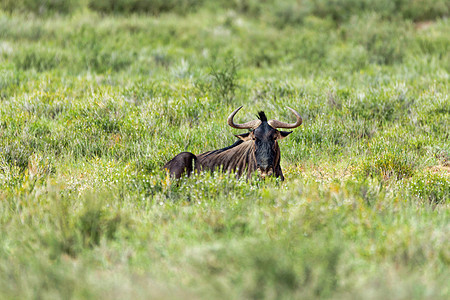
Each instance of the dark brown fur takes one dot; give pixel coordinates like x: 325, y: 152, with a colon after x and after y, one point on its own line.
x: 238, y: 158
x: 183, y: 163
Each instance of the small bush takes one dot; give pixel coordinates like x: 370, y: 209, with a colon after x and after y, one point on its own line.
x: 222, y: 81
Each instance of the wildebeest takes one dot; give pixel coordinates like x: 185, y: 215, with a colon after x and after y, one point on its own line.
x: 254, y: 150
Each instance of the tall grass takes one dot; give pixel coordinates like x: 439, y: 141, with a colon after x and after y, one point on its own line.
x: 95, y: 99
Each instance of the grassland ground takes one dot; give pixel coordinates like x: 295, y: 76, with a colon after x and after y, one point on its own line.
x: 94, y: 102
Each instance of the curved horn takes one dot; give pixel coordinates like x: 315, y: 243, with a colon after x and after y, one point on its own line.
x: 249, y: 125
x: 278, y: 124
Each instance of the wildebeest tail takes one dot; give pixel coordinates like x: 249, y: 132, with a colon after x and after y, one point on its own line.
x: 183, y: 163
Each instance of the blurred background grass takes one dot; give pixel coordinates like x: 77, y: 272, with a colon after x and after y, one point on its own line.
x: 286, y: 11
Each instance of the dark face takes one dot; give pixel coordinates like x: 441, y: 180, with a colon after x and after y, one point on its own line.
x: 265, y: 147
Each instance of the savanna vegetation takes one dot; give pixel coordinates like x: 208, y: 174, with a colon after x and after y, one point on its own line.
x: 95, y: 96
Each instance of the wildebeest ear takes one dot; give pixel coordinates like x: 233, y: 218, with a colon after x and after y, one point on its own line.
x: 244, y: 136
x: 283, y: 134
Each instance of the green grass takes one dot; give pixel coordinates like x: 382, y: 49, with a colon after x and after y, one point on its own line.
x: 92, y: 105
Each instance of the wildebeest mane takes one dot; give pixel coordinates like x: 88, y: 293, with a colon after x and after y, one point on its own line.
x: 235, y: 158
x: 262, y: 116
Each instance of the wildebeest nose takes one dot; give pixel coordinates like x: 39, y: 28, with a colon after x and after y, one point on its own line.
x: 265, y: 171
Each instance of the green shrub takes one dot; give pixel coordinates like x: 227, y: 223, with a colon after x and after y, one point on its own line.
x: 224, y: 80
